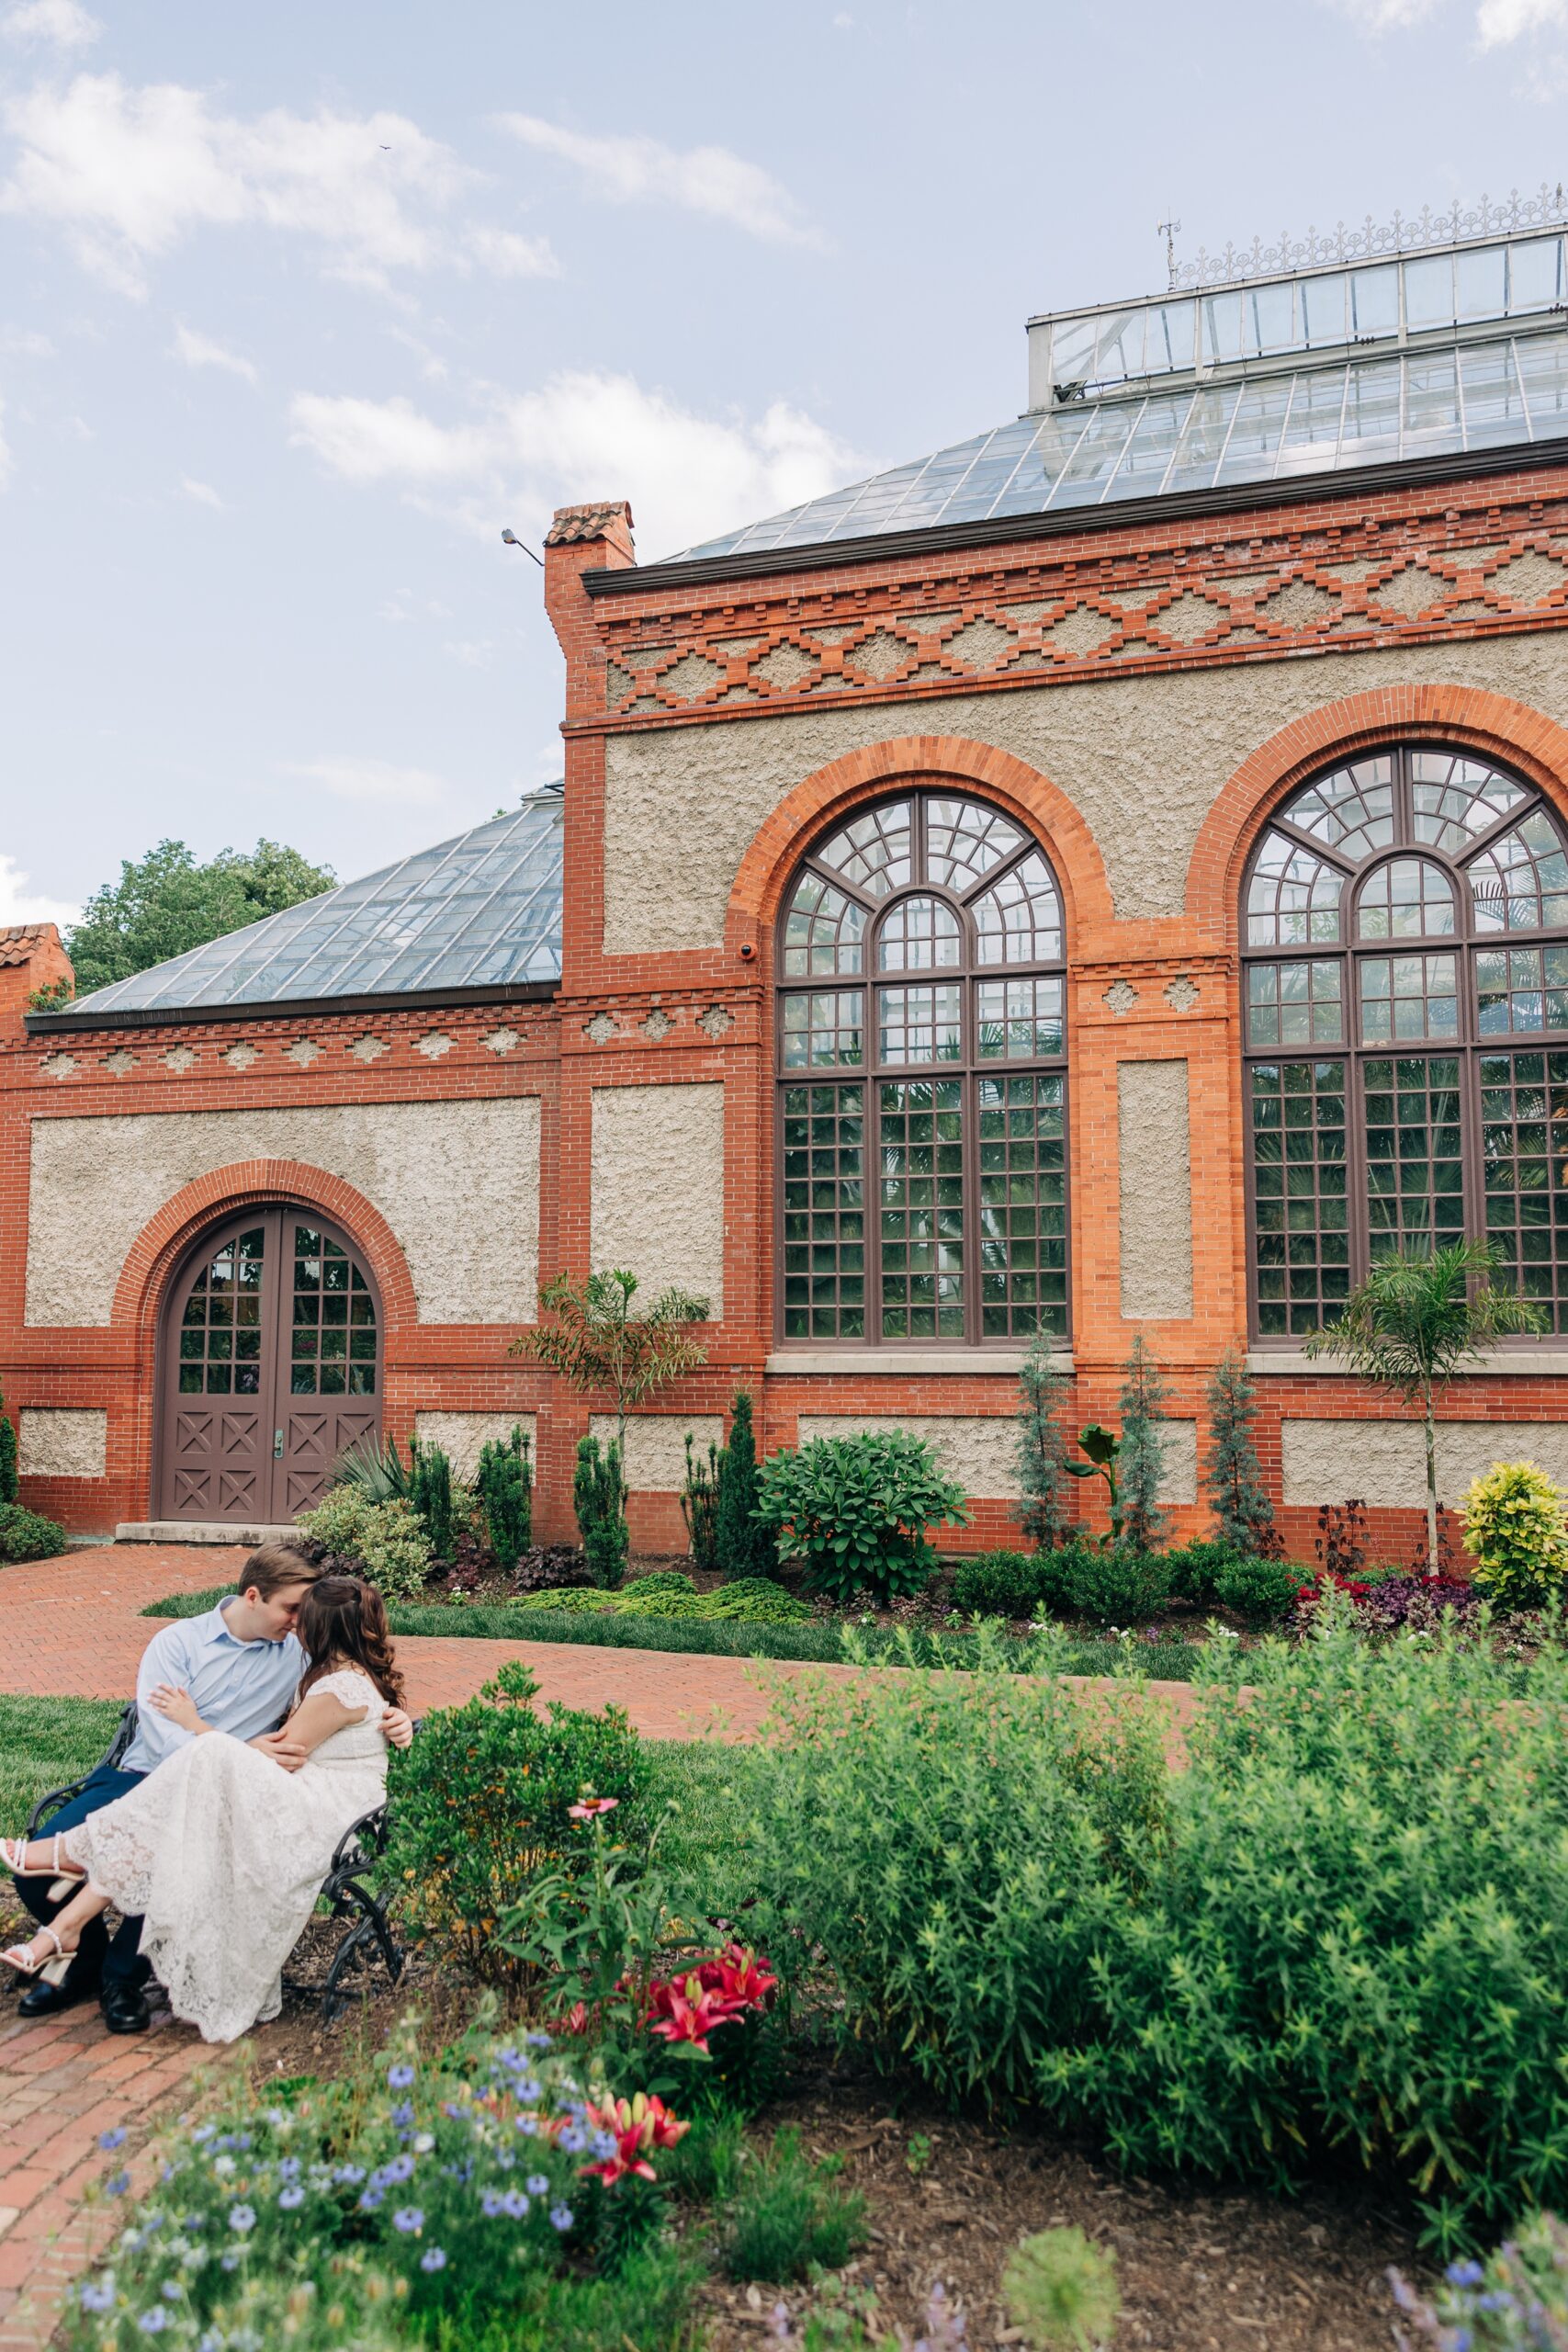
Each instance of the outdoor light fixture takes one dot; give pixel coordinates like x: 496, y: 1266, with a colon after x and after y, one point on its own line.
x: 510, y: 539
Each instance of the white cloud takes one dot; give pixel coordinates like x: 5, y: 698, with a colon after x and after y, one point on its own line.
x: 203, y: 493
x: 200, y: 351
x: 64, y: 24
x: 127, y: 173
x: 637, y: 170
x: 506, y: 254
x: 583, y: 436
x: 376, y: 782
x: 19, y: 904
x: 1498, y: 22
x: 25, y: 343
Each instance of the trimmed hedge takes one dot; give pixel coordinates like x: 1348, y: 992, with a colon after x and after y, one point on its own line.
x: 819, y: 1643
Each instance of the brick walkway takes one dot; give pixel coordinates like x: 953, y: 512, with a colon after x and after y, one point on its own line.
x: 72, y: 1628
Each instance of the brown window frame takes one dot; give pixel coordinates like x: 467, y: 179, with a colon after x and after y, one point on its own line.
x: 1468, y: 1048
x: 969, y: 1067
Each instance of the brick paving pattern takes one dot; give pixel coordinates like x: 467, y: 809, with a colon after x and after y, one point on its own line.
x: 74, y: 1629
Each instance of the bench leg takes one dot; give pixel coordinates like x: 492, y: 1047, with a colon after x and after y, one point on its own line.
x: 369, y: 1930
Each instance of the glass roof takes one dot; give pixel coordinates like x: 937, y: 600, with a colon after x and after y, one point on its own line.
x: 483, y: 910
x: 1268, y: 428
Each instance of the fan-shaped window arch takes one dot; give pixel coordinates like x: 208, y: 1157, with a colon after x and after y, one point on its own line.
x: 1405, y: 943
x: 922, y: 1081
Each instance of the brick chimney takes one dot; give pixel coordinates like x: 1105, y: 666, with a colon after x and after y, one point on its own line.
x: 31, y: 957
x: 596, y: 538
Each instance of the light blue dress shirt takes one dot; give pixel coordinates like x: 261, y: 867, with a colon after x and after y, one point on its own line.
x: 239, y: 1687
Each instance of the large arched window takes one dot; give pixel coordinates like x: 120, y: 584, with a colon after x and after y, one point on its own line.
x: 1405, y: 943
x: 923, y: 1080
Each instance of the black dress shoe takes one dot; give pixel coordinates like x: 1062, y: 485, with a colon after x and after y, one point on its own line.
x: 125, y: 2009
x: 45, y: 2000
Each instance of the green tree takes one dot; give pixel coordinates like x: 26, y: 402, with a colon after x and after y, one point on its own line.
x: 1140, y: 1458
x: 1233, y: 1475
x: 745, y: 1543
x: 167, y: 902
x: 1420, y: 1319
x: 1042, y: 1448
x: 7, y: 1458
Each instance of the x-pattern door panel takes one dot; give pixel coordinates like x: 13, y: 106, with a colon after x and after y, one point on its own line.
x: 272, y: 1366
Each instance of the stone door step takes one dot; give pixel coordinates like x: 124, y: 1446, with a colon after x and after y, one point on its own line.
x: 198, y: 1531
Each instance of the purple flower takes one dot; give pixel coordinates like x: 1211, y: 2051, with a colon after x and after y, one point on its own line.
x: 433, y: 2258
x: 114, y: 2139
x: 572, y: 2138
x: 409, y: 2218
x: 290, y: 2198
x: 401, y: 2169
x: 538, y: 2184
x: 169, y: 2291
x: 537, y: 2041
x: 117, y: 2183
x: 490, y: 2204
x: 402, y: 2114
x: 241, y: 2218
x: 399, y: 2077
x: 230, y: 2261
x: 98, y: 2295
x: 1464, y: 2274
x: 372, y: 2200
x: 514, y: 2205
x: 152, y: 2322
x: 289, y: 2168
x: 561, y: 2217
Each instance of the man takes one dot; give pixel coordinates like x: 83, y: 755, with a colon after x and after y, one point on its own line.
x: 241, y: 1663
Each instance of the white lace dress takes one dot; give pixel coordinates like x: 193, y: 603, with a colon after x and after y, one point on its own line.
x: 222, y: 1853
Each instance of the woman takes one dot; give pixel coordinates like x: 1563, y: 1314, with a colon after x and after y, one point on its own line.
x: 220, y: 1850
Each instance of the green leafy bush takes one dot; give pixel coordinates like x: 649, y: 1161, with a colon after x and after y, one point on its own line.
x: 1193, y: 1567
x: 699, y: 1503
x: 744, y: 1543
x: 997, y: 1584
x: 386, y: 1541
x: 379, y: 1471
x: 1060, y: 2292
x: 481, y: 1800
x: 1117, y: 1586
x: 1516, y: 1532
x: 8, y: 1479
x: 503, y: 1482
x: 1515, y: 2302
x: 598, y: 1498
x: 856, y: 1510
x: 27, y: 1535
x: 668, y: 1594
x: 755, y: 1600
x: 430, y: 1492
x: 789, y: 2216
x: 1261, y: 1591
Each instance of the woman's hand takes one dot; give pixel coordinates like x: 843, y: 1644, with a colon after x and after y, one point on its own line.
x: 176, y: 1703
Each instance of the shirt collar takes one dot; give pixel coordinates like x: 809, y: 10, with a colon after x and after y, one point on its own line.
x: 217, y: 1630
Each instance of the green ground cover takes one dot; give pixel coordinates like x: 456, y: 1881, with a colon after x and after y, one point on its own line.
x: 821, y: 1643
x: 43, y: 1744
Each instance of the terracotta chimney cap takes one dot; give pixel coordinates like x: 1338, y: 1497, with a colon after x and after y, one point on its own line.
x: 19, y: 941
x: 592, y: 522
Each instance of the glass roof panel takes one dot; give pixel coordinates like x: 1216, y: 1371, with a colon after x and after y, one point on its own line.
x: 483, y: 909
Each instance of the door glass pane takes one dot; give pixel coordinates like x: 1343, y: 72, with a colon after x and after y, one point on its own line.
x: 220, y: 1326
x: 921, y: 1191
x: 824, y: 1212
x: 1300, y: 1195
x: 1524, y: 1153
x: 328, y: 1291
x: 1415, y: 1173
x: 1022, y: 1204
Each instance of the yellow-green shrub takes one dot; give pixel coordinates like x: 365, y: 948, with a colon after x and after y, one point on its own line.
x: 1516, y: 1531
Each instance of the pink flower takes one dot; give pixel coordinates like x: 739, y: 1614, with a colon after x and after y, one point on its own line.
x: 636, y: 2125
x: 591, y: 1806
x: 685, y: 2009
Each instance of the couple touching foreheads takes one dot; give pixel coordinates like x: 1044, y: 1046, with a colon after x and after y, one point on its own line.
x: 261, y: 1736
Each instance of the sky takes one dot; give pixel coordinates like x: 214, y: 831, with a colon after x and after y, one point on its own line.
x: 300, y: 306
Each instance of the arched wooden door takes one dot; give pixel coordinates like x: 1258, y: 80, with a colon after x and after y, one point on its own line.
x: 271, y: 1365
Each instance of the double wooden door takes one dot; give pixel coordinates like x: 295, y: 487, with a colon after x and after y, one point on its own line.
x: 271, y: 1365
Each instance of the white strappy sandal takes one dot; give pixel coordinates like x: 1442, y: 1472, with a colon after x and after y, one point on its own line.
x: 62, y: 1870
x: 21, y: 1957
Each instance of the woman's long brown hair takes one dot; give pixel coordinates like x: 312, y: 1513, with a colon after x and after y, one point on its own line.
x: 343, y: 1621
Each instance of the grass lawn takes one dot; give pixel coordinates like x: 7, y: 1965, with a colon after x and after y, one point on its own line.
x: 820, y: 1644
x: 44, y: 1742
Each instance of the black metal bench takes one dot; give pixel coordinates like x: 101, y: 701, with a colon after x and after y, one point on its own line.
x: 348, y: 1887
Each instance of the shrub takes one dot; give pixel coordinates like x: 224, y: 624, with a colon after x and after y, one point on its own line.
x: 755, y: 1600
x: 9, y: 1481
x: 430, y: 1492
x: 1233, y: 1475
x: 1516, y: 2302
x: 505, y: 1484
x: 945, y: 1841
x: 1116, y: 1586
x: 1060, y: 2290
x: 25, y: 1535
x: 379, y: 1471
x: 481, y: 1800
x: 789, y: 2216
x: 745, y: 1545
x: 598, y: 1498
x: 668, y: 1594
x: 1413, y: 1604
x: 1515, y: 1532
x: 996, y: 1584
x: 856, y: 1510
x: 1260, y: 1590
x: 1194, y: 1566
x: 1141, y: 1457
x: 1041, y: 1446
x: 699, y: 1504
x: 385, y: 1542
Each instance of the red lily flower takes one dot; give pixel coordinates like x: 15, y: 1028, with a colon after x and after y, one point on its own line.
x: 636, y: 2126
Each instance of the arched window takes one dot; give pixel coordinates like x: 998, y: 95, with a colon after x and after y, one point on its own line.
x: 1405, y: 946
x: 922, y: 1082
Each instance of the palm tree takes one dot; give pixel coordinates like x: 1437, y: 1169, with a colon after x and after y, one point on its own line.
x: 1416, y: 1322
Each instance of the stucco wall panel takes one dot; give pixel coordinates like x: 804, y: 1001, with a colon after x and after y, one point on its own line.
x: 1143, y: 759
x: 1384, y: 1464
x: 56, y: 1441
x: 458, y: 1182
x: 461, y: 1435
x: 657, y: 1178
x: 656, y: 1447
x: 1155, y: 1162
x: 980, y: 1450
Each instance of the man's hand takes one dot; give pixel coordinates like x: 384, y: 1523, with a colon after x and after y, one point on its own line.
x: 398, y: 1727
x: 173, y: 1703
x: 281, y: 1749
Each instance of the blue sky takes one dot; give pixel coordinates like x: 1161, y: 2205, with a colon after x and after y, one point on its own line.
x: 299, y: 305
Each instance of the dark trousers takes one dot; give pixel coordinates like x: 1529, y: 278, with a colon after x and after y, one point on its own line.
x: 101, y: 1960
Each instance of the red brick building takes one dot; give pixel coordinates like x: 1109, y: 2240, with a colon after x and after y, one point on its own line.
x: 1108, y: 877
